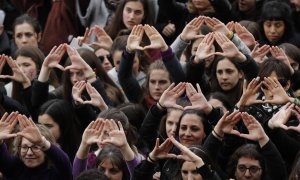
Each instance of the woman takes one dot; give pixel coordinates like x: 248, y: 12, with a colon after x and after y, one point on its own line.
x: 276, y: 24
x: 37, y: 155
x: 128, y: 14
x: 59, y: 117
x: 110, y: 130
x: 26, y: 31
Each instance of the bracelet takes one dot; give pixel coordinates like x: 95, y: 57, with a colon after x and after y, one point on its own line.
x: 93, y: 75
x: 296, y: 101
x: 218, y: 136
x: 163, y: 107
x: 230, y: 35
x: 151, y: 160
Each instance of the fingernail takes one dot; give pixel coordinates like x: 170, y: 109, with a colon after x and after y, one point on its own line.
x: 257, y: 78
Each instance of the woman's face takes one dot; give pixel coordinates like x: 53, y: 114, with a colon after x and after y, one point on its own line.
x: 227, y: 74
x: 28, y: 66
x: 189, y: 171
x: 53, y: 127
x: 30, y: 154
x: 133, y: 14
x: 76, y: 75
x: 201, y: 5
x: 294, y: 64
x: 172, y: 122
x: 243, y: 174
x: 274, y: 30
x: 191, y: 130
x: 159, y: 81
x: 24, y: 34
x: 296, y: 4
x: 246, y: 5
x: 104, y: 56
x: 110, y: 170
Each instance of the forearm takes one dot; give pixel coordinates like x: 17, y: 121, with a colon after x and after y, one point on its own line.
x: 127, y: 152
x: 83, y: 151
x: 44, y: 74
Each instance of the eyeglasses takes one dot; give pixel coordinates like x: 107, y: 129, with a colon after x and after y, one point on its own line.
x: 35, y: 149
x: 109, y: 57
x: 252, y: 169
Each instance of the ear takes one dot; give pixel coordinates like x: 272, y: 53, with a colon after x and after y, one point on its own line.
x: 288, y: 85
x: 39, y: 37
x: 241, y: 74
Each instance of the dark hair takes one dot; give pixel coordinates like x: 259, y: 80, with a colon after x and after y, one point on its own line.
x: 274, y: 65
x: 117, y: 115
x: 111, y: 89
x: 235, y: 93
x: 277, y: 11
x: 221, y: 97
x: 249, y: 151
x: 115, y: 156
x: 207, y: 127
x: 37, y: 56
x: 25, y: 18
x: 253, y: 28
x: 92, y: 174
x: 134, y: 112
x: 119, y: 44
x: 295, y: 172
x: 63, y: 114
x: 116, y: 24
x: 291, y: 51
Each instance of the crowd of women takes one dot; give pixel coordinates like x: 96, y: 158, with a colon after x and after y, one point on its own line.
x: 137, y: 89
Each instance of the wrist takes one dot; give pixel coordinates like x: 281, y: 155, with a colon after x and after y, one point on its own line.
x: 164, y: 48
x: 183, y: 38
x: 45, y: 144
x: 130, y: 51
x: 151, y: 159
x: 218, y: 134
x: 207, y: 109
x: 263, y: 140
x: 160, y: 106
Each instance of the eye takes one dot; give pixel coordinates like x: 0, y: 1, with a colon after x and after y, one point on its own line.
x: 114, y: 170
x: 183, y: 127
x: 195, y: 128
x: 184, y: 172
x: 138, y: 12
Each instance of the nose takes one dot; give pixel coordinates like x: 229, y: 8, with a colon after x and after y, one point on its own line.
x: 224, y: 76
x: 107, y: 174
x: 187, y: 132
x: 29, y: 151
x: 24, y: 39
x: 272, y: 29
x: 190, y: 176
x: 131, y: 15
x: 247, y: 173
x: 174, y: 129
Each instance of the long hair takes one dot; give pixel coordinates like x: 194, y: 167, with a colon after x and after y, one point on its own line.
x: 63, y: 114
x: 111, y: 89
x: 37, y: 56
x: 116, y: 24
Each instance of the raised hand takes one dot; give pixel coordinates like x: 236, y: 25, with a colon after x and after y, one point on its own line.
x: 18, y: 74
x: 204, y: 49
x: 2, y: 62
x: 244, y: 35
x: 229, y: 49
x: 171, y: 94
x: 77, y: 90
x: 135, y: 38
x: 85, y: 38
x: 169, y: 29
x: 256, y: 132
x: 279, y: 54
x: 156, y: 40
x: 259, y: 53
x: 197, y: 99
x: 116, y: 133
x: 249, y: 95
x: 96, y: 98
x: 54, y: 57
x: 276, y: 91
x: 281, y: 117
x: 227, y: 124
x: 192, y: 29
x: 217, y: 26
x: 296, y: 113
x: 162, y: 151
x: 78, y: 63
x: 30, y: 131
x: 7, y: 125
x: 187, y: 154
x: 92, y: 133
x: 103, y: 40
